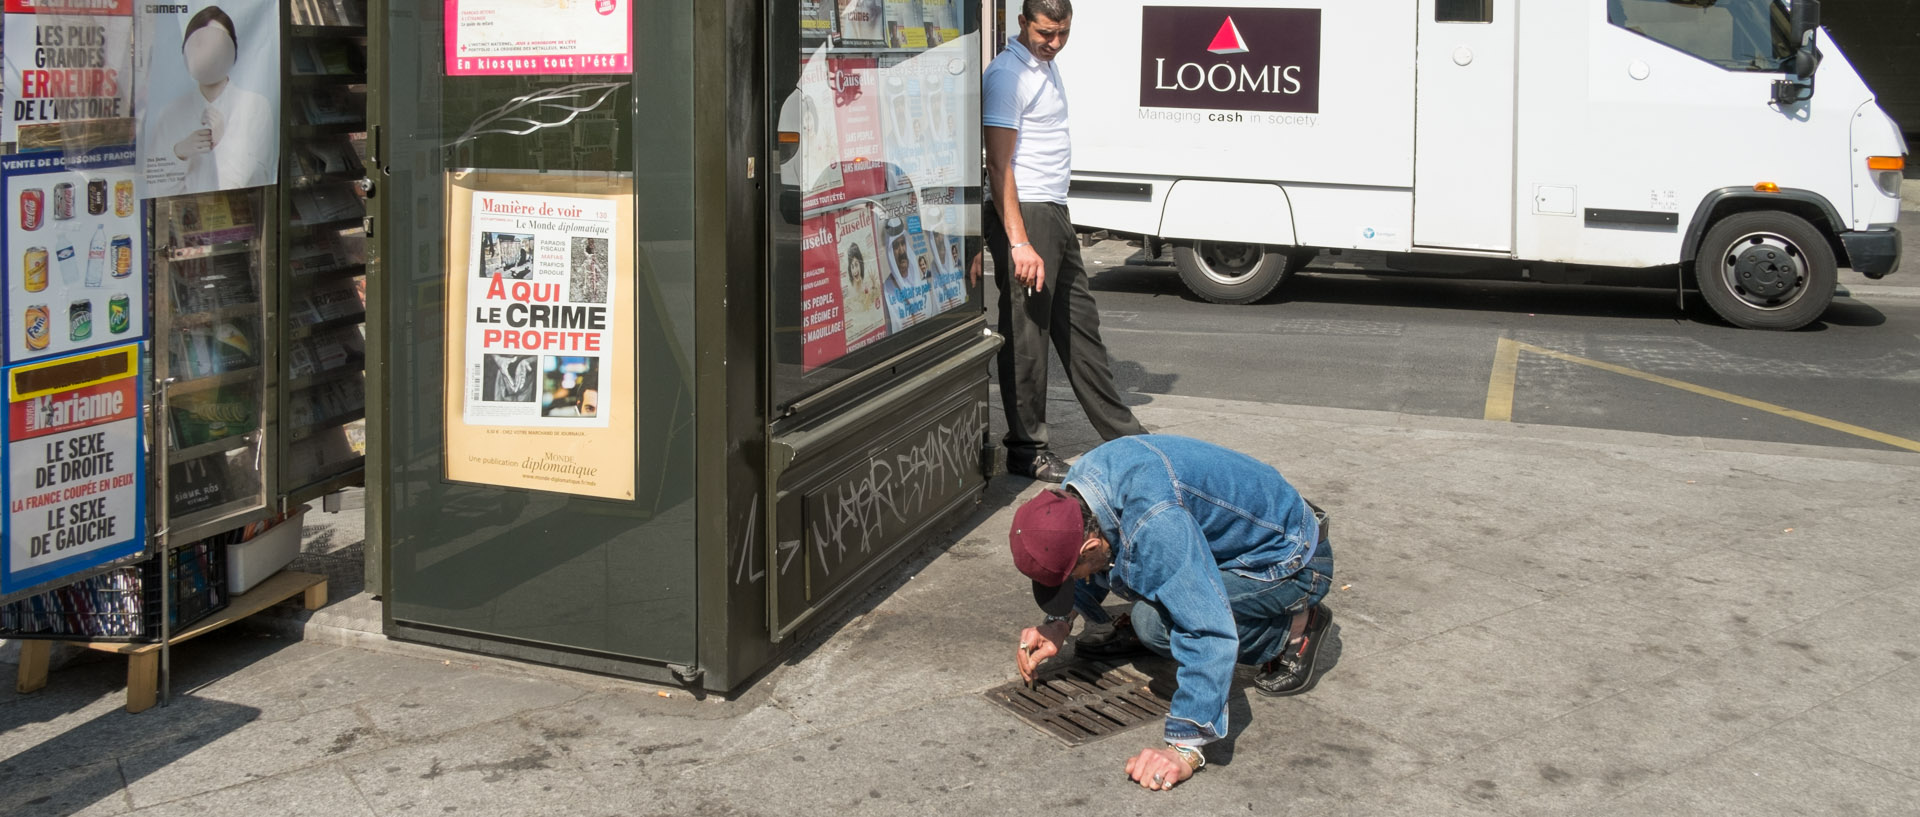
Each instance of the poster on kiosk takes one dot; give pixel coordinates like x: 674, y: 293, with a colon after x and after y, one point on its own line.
x: 75, y: 479
x: 75, y: 304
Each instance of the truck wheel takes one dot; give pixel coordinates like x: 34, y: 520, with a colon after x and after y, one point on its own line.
x: 1766, y: 270
x: 1228, y: 273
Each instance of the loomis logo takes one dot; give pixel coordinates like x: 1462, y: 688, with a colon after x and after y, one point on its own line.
x: 1250, y: 59
x: 1228, y: 41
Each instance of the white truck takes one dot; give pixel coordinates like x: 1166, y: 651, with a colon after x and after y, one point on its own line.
x: 1566, y: 141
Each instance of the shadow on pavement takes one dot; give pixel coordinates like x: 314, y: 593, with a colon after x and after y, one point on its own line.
x: 74, y: 746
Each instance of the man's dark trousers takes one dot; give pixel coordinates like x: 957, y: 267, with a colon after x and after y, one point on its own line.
x: 1062, y: 311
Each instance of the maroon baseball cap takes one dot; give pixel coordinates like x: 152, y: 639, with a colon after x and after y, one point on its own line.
x: 1046, y: 537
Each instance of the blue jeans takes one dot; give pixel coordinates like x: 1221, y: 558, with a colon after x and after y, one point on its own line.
x: 1263, y: 611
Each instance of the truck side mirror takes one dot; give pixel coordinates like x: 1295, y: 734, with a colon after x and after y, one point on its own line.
x: 1803, y: 22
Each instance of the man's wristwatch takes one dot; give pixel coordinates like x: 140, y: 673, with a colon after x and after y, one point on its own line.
x: 1050, y: 619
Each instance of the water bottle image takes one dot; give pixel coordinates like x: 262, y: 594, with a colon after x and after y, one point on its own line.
x: 97, y: 256
x: 65, y: 258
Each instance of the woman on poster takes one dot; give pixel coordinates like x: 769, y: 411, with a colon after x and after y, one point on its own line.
x: 216, y: 136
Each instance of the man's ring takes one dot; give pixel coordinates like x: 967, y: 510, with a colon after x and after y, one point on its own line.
x: 1159, y: 780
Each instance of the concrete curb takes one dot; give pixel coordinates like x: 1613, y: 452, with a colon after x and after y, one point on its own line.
x: 1871, y: 291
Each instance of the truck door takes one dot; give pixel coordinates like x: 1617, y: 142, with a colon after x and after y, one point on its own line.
x: 1463, y: 125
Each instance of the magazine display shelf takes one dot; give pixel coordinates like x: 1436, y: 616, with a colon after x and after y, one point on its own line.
x: 143, y: 660
x: 213, y: 356
x: 322, y: 332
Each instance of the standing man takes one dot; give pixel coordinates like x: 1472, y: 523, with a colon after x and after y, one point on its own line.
x: 1036, y: 255
x: 1224, y: 561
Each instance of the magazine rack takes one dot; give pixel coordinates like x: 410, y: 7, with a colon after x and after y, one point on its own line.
x: 212, y: 355
x: 322, y: 399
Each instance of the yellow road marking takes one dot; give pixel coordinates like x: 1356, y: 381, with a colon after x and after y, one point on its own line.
x: 1506, y: 365
x: 1506, y: 358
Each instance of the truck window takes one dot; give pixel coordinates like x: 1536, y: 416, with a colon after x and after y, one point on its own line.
x: 1738, y: 35
x: 1463, y: 11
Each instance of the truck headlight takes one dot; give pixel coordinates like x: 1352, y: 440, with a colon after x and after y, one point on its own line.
x: 1887, y: 171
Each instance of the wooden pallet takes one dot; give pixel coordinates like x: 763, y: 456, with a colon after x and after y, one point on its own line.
x: 143, y: 660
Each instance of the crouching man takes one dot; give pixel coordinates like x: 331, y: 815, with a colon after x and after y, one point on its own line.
x: 1223, y: 560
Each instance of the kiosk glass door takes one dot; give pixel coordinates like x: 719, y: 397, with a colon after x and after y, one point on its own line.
x: 535, y: 313
x: 876, y: 118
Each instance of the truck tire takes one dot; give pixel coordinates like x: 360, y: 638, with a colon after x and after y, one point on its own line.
x: 1230, y: 273
x: 1766, y: 270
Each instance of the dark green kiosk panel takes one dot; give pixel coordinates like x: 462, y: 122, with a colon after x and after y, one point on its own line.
x: 672, y: 348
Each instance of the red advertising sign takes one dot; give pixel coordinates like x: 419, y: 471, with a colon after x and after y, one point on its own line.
x: 822, y: 318
x: 555, y: 37
x: 77, y: 409
x: 114, y: 8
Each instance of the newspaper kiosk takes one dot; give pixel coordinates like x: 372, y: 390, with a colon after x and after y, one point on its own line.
x: 673, y: 335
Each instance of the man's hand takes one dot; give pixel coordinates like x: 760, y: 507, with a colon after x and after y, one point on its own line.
x: 1037, y: 644
x: 216, y: 123
x: 973, y: 270
x: 1029, y: 269
x: 1159, y: 768
x: 196, y: 143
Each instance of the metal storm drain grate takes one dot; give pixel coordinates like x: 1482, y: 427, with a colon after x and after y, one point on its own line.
x: 1082, y: 704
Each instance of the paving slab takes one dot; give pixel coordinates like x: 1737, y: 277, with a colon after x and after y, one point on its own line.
x: 1528, y: 621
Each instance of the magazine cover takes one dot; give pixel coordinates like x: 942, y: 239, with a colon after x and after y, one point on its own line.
x: 857, y: 117
x: 823, y: 329
x: 942, y: 19
x: 817, y: 19
x: 942, y: 97
x: 860, y: 272
x: 906, y: 129
x: 905, y: 28
x: 539, y: 345
x: 909, y: 287
x: 210, y: 119
x: 862, y: 21
x: 817, y: 165
x: 943, y: 225
x: 66, y: 63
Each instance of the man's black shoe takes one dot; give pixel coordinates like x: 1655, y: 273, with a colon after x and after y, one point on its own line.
x: 1119, y: 642
x: 1045, y: 468
x: 1289, y: 673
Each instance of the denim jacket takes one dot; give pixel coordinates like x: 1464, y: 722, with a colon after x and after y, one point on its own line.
x: 1178, y: 511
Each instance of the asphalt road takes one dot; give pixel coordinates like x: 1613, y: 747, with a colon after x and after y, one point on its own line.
x: 1600, y: 357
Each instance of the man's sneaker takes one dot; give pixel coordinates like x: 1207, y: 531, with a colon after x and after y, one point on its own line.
x: 1118, y: 642
x: 1289, y: 673
x: 1046, y: 467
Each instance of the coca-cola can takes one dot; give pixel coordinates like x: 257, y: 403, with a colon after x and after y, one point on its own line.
x: 63, y: 201
x: 96, y: 197
x: 33, y: 208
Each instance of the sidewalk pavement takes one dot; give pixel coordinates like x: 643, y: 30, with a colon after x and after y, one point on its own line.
x: 1528, y: 621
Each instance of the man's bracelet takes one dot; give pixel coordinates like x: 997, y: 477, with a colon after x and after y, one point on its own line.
x: 1019, y: 245
x: 1195, y: 760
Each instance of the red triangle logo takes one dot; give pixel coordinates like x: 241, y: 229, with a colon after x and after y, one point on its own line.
x: 1228, y: 40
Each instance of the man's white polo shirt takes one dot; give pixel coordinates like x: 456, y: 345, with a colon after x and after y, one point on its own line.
x: 1022, y: 92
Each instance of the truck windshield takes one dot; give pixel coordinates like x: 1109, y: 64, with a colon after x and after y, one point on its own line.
x: 1738, y: 35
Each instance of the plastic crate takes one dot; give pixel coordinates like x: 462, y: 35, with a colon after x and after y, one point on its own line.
x: 252, y: 561
x: 123, y: 605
